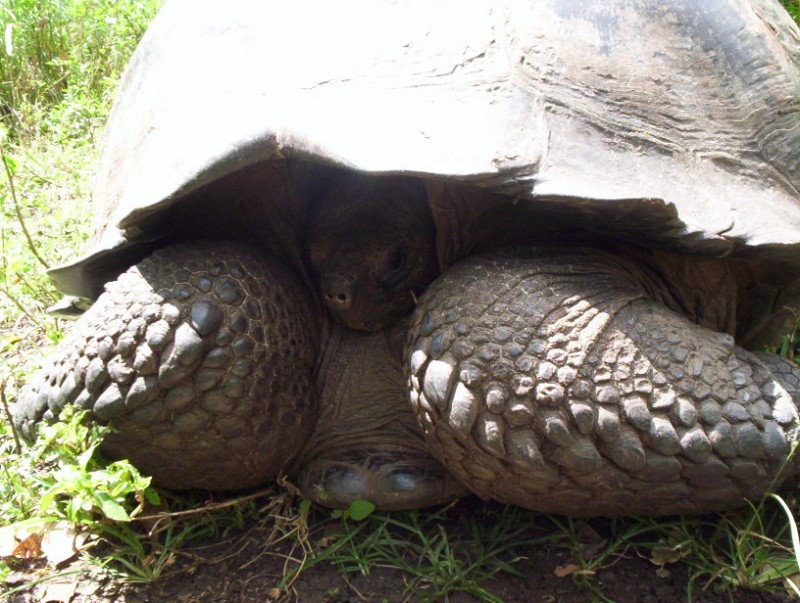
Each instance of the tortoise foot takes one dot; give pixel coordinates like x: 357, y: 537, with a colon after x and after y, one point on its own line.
x: 200, y: 358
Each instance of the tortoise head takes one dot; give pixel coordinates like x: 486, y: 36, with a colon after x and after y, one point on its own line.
x: 372, y: 248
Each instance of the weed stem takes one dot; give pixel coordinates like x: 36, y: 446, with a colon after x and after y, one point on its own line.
x: 8, y: 414
x: 10, y: 178
x: 22, y: 308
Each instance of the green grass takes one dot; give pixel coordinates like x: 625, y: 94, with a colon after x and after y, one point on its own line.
x: 437, y: 561
x: 751, y: 548
x: 441, y: 555
x: 793, y: 8
x: 60, y: 61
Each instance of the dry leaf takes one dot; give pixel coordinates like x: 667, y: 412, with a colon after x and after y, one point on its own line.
x: 588, y: 534
x: 29, y: 548
x: 664, y: 554
x: 59, y: 592
x: 55, y: 540
x: 566, y: 570
x: 61, y: 541
x: 590, y: 549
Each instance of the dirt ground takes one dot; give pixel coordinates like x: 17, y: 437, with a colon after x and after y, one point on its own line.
x: 243, y: 568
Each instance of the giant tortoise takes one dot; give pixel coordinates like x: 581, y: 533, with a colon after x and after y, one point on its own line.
x: 591, y: 211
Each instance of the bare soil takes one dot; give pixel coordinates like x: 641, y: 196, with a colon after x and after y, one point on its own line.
x: 244, y: 567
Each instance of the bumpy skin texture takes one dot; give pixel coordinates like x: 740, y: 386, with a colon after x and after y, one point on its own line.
x: 556, y: 379
x: 366, y: 444
x: 201, y: 358
x: 549, y: 379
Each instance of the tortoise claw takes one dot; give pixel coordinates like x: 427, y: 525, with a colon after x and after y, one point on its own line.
x: 392, y: 479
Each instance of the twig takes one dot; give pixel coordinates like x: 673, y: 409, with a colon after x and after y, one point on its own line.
x: 39, y: 292
x: 22, y: 308
x: 208, y: 507
x: 13, y: 190
x: 8, y: 414
x: 36, y: 175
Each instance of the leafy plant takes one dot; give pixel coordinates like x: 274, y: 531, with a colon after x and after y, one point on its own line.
x: 793, y: 8
x: 61, y: 59
x: 62, y: 477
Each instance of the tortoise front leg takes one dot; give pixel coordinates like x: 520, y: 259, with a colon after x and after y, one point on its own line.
x: 201, y: 359
x: 550, y: 379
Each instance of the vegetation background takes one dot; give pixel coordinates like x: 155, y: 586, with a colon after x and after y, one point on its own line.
x: 60, y: 63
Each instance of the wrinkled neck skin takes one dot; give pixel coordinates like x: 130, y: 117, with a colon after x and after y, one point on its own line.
x: 705, y: 290
x: 360, y: 385
x: 735, y: 297
x: 751, y: 299
x: 372, y: 249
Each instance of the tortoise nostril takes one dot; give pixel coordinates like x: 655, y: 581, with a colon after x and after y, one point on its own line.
x: 338, y: 298
x: 338, y: 294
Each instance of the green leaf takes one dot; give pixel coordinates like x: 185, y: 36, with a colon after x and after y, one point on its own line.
x: 11, y: 164
x: 111, y: 508
x: 360, y: 509
x: 7, y: 343
x: 86, y: 456
x: 305, y: 505
x: 46, y: 500
x: 152, y: 496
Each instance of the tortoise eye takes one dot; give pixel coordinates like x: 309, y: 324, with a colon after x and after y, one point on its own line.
x: 395, y: 267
